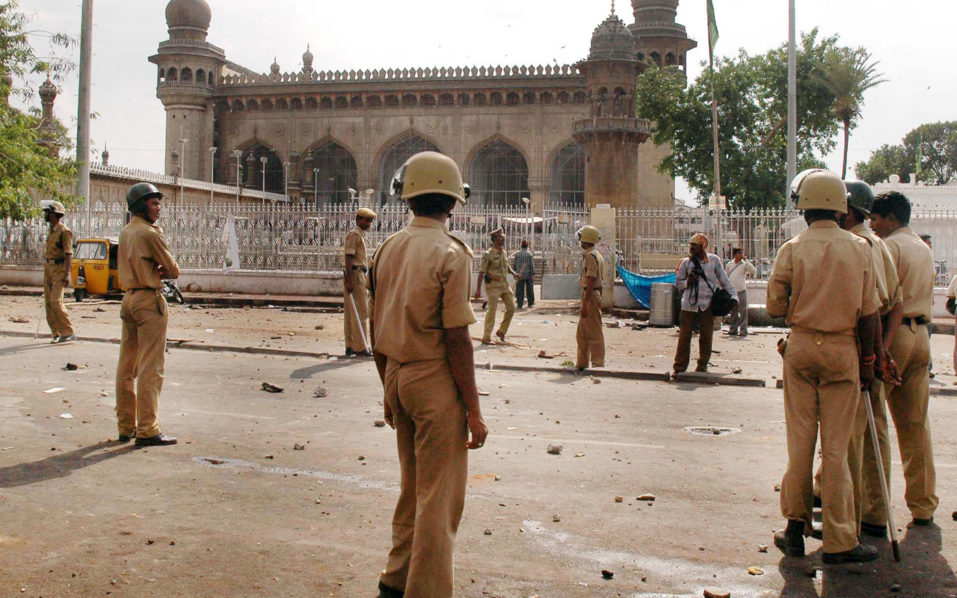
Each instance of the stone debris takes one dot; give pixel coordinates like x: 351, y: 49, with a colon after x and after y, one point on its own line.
x: 271, y: 387
x: 320, y: 327
x: 320, y: 392
x: 615, y: 324
x: 556, y: 518
x: 498, y: 478
x: 606, y: 574
x: 66, y: 416
x: 71, y: 367
x: 53, y: 390
x: 716, y: 593
x: 736, y: 371
x: 488, y: 532
x: 483, y: 393
x: 379, y: 423
x: 619, y: 499
x: 554, y: 448
x: 896, y: 588
x: 648, y: 497
x: 763, y: 548
x: 596, y: 381
x: 298, y: 447
x: 18, y: 320
x: 954, y: 515
x: 755, y: 571
x: 777, y: 487
x: 577, y: 455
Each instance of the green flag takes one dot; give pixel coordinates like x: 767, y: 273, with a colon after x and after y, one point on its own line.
x: 712, y: 29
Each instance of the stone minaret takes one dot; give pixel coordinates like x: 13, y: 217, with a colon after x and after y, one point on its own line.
x: 48, y: 93
x: 658, y: 38
x: 612, y: 134
x: 188, y: 72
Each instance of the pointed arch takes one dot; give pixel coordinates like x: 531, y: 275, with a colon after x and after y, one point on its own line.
x: 394, y: 153
x: 497, y: 172
x: 254, y: 171
x: 329, y: 169
x: 566, y: 181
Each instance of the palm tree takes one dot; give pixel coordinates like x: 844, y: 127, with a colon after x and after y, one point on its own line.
x: 847, y: 74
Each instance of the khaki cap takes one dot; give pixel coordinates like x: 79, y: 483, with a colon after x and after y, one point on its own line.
x: 365, y: 213
x: 497, y: 231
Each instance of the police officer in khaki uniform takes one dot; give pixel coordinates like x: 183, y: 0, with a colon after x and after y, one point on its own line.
x: 143, y: 260
x: 420, y: 318
x: 591, y: 339
x: 823, y: 281
x: 56, y: 272
x: 910, y: 347
x: 355, y: 281
x: 494, y: 272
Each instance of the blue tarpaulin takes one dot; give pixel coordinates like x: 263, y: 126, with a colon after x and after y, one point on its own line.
x: 640, y: 286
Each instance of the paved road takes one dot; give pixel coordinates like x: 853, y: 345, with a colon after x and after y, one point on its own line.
x: 235, y: 510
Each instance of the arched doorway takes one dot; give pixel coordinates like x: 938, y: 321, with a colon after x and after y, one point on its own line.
x: 330, y: 170
x: 567, y: 180
x: 395, y: 156
x: 498, y: 175
x: 254, y: 170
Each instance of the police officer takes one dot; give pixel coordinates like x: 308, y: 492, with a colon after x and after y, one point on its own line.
x: 591, y: 339
x: 494, y: 272
x: 143, y: 260
x: 56, y: 272
x: 355, y: 280
x: 823, y: 281
x: 910, y: 348
x: 423, y: 352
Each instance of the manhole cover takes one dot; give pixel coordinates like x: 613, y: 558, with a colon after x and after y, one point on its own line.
x: 711, y: 430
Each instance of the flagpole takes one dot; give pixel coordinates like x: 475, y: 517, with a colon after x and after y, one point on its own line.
x: 792, y: 104
x: 712, y: 29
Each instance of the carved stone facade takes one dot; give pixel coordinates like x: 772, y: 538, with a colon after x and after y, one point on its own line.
x: 549, y: 133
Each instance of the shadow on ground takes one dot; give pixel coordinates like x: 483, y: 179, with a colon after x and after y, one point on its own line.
x: 59, y: 466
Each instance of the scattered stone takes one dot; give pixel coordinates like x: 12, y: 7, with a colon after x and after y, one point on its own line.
x: 755, y: 571
x: 99, y: 309
x: 619, y: 499
x: 269, y: 457
x: 150, y: 542
x: 18, y: 320
x: 763, y: 548
x: 320, y: 392
x: 498, y: 478
x: 777, y: 487
x: 362, y: 458
x: 896, y: 587
x: 646, y: 497
x: 954, y: 515
x: 736, y: 371
x: 716, y: 593
x: 543, y: 355
x: 606, y: 574
x: 275, y: 338
x: 577, y: 455
x: 554, y: 448
x: 379, y: 423
x: 320, y: 327
x: 71, y: 367
x: 488, y: 532
x: 488, y: 365
x: 596, y: 381
x: 271, y: 387
x: 172, y: 542
x: 483, y: 393
x: 66, y: 416
x: 103, y: 393
x: 556, y: 518
x: 298, y: 447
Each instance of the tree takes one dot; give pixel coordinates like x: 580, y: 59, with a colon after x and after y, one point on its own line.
x: 28, y: 167
x: 937, y: 143
x: 847, y: 74
x: 752, y: 112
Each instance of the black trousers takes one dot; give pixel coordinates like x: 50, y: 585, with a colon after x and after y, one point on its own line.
x: 522, y: 286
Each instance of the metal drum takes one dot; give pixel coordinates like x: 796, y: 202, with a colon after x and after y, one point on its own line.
x: 662, y: 308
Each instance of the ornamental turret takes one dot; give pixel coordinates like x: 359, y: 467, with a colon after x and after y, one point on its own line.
x: 658, y: 37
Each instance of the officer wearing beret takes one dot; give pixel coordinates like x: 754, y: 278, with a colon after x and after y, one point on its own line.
x: 494, y: 272
x: 56, y: 272
x: 355, y: 280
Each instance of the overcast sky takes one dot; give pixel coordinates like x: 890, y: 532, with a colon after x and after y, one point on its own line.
x: 914, y: 47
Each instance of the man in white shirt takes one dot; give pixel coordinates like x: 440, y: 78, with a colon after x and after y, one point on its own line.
x: 739, y: 270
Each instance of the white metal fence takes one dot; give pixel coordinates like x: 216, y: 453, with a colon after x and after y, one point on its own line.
x: 296, y: 237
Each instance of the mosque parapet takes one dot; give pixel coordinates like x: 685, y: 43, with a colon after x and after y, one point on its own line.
x: 414, y: 74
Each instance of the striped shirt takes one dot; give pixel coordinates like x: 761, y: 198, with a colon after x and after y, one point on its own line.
x: 524, y: 264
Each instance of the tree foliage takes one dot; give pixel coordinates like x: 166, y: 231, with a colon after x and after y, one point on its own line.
x: 29, y: 170
x: 751, y: 93
x: 938, y: 156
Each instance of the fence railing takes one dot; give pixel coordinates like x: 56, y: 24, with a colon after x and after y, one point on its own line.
x: 306, y: 238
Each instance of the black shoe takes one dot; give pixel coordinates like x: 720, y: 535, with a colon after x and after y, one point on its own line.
x: 126, y: 437
x: 816, y: 502
x: 817, y: 531
x: 158, y: 440
x: 387, y: 592
x: 791, y: 539
x: 874, y: 530
x: 859, y: 554
x: 703, y: 370
x: 349, y: 352
x: 921, y: 522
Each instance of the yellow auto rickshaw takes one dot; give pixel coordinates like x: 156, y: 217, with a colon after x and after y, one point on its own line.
x: 94, y: 268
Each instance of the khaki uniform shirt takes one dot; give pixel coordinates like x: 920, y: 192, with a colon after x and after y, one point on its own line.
x: 915, y: 267
x: 142, y: 248
x: 823, y: 280
x: 593, y: 264
x: 59, y: 242
x: 420, y: 287
x: 885, y: 273
x: 356, y: 247
x: 495, y: 264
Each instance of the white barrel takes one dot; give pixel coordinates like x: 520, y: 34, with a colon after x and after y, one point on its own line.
x: 662, y: 304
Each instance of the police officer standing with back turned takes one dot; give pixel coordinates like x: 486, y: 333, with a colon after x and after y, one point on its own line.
x: 494, y: 272
x: 910, y: 348
x: 423, y: 352
x: 355, y: 280
x: 823, y: 282
x: 143, y: 261
x: 56, y: 272
x: 589, y: 335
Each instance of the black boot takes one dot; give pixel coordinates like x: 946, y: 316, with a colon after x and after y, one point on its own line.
x: 791, y: 539
x: 387, y: 592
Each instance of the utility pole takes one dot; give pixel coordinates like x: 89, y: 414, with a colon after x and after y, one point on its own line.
x: 83, y: 111
x: 792, y: 105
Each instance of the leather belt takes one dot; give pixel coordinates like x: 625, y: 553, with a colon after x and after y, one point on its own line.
x: 56, y: 261
x: 919, y: 320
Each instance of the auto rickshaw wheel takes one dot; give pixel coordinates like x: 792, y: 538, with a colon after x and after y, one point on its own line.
x: 79, y: 294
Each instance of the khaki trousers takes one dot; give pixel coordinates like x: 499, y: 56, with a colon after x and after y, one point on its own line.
x: 590, y: 337
x: 494, y: 292
x: 705, y: 337
x: 354, y: 329
x: 431, y: 433
x: 142, y: 356
x: 821, y: 387
x: 908, y: 407
x: 57, y: 317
